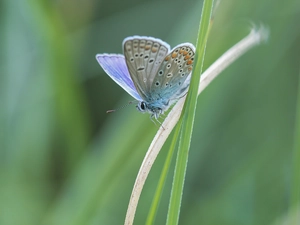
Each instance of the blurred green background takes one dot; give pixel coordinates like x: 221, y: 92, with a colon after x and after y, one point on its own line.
x: 64, y: 161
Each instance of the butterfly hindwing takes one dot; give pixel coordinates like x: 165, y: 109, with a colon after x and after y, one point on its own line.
x: 174, y: 71
x: 144, y: 56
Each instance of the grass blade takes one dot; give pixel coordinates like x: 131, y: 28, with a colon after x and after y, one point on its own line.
x: 295, y: 190
x: 188, y: 118
x: 162, y: 179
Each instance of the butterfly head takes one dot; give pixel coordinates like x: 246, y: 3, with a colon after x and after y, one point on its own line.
x: 154, y: 111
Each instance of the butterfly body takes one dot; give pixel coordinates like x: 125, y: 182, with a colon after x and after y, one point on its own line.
x: 150, y: 72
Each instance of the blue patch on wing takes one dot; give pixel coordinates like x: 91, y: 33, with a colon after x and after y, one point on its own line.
x: 115, y: 66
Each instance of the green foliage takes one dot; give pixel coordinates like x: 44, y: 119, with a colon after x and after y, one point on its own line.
x: 64, y: 161
x: 188, y: 116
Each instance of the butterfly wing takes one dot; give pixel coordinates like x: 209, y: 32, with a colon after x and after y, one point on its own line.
x: 173, y: 76
x: 144, y: 56
x: 115, y: 66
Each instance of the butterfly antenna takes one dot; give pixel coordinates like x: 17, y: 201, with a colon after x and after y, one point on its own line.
x: 113, y: 110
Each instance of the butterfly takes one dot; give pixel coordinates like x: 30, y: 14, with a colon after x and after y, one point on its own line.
x: 151, y: 72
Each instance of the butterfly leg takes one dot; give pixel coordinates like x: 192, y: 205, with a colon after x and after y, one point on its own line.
x: 153, y: 119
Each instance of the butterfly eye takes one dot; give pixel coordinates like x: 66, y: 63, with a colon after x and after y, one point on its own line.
x: 157, y: 83
x: 160, y: 72
x: 143, y: 106
x: 131, y: 59
x: 183, y: 74
x: 151, y: 60
x: 141, y: 55
x: 168, y: 66
x: 190, y: 53
x: 136, y: 55
x: 169, y: 75
x: 180, y: 71
x: 146, y: 56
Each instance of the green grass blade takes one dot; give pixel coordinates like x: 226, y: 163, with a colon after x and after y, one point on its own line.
x: 188, y: 118
x: 295, y: 190
x: 163, y: 177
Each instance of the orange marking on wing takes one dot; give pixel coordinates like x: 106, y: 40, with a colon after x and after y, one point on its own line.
x: 154, y: 50
x: 181, y: 51
x: 189, y: 62
x: 167, y: 58
x: 147, y: 47
x: 185, y: 52
x: 174, y: 54
x: 190, y: 68
x: 187, y: 57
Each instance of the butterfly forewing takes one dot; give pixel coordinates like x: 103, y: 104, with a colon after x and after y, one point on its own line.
x: 144, y: 56
x: 173, y: 72
x: 115, y: 66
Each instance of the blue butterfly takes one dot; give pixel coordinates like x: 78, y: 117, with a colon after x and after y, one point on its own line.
x: 150, y: 72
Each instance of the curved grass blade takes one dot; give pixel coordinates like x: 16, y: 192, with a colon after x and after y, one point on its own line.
x: 255, y: 37
x: 163, y: 177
